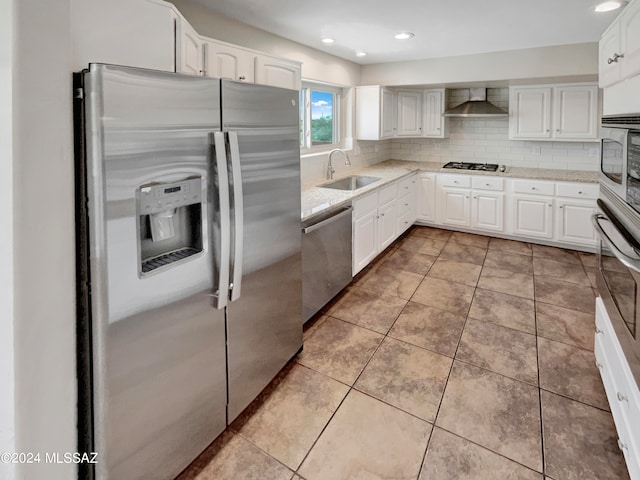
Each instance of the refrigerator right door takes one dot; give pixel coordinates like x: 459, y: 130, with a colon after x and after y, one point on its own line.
x: 264, y: 315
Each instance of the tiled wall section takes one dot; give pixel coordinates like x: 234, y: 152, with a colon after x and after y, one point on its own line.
x: 487, y: 140
x: 363, y: 154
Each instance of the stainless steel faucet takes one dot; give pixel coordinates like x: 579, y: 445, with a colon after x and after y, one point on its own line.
x: 330, y: 170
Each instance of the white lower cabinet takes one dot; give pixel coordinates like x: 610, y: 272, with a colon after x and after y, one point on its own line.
x: 573, y: 221
x: 455, y: 204
x: 374, y: 225
x: 533, y: 216
x: 426, y: 206
x: 621, y: 389
x: 487, y: 210
x: 380, y: 217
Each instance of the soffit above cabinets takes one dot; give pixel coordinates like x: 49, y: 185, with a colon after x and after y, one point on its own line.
x: 441, y: 28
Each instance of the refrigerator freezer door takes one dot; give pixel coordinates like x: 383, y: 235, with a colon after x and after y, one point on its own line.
x: 264, y: 327
x: 159, y: 377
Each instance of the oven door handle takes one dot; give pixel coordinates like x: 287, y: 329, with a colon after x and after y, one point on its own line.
x: 627, y: 261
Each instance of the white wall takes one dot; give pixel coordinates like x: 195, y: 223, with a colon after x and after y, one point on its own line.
x: 316, y: 65
x: 487, y: 140
x: 44, y: 252
x: 7, y: 406
x: 573, y: 62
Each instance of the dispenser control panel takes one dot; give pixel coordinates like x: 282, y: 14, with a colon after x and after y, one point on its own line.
x: 158, y: 197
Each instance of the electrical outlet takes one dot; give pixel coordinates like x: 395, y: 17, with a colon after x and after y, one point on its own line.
x: 534, y: 150
x: 594, y: 152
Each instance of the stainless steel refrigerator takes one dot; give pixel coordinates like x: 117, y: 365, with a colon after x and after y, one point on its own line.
x: 189, y: 272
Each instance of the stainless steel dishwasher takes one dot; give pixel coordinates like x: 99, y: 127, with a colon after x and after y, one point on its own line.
x: 326, y: 259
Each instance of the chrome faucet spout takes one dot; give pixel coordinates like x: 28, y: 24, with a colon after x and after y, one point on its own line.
x: 330, y: 170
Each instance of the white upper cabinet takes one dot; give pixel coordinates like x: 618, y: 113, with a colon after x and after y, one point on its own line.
x: 375, y: 113
x: 630, y: 41
x: 226, y: 61
x: 277, y: 72
x: 123, y: 32
x: 529, y: 112
x: 189, y: 49
x: 433, y: 123
x: 557, y: 112
x: 575, y: 113
x: 409, y: 113
x: 619, y: 48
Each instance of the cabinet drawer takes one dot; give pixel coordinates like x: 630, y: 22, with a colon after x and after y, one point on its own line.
x: 578, y: 190
x: 405, y: 204
x: 388, y: 193
x: 461, y: 181
x: 406, y: 185
x: 535, y: 187
x: 364, y: 205
x: 488, y: 183
x: 405, y: 220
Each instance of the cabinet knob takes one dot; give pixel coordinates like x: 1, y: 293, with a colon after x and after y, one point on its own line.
x: 579, y: 193
x: 561, y: 206
x: 406, y: 204
x: 473, y: 197
x: 533, y: 188
x: 382, y: 214
x: 549, y: 205
x: 466, y: 196
x: 622, y: 397
x: 615, y: 58
x: 242, y: 77
x: 455, y: 181
x: 548, y: 130
x: 487, y: 184
x: 405, y: 222
x: 558, y: 130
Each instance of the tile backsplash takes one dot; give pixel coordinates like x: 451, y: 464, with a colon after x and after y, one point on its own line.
x: 487, y: 140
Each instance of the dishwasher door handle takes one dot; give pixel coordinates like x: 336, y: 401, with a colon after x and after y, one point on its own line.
x: 315, y: 226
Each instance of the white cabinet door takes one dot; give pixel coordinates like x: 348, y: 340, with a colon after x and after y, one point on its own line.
x: 573, y: 221
x: 426, y: 210
x: 630, y: 41
x: 365, y: 240
x: 487, y: 211
x: 189, y: 56
x: 226, y: 61
x: 455, y: 206
x: 387, y: 113
x: 434, y: 124
x: 122, y: 32
x: 533, y: 216
x: 530, y: 112
x: 277, y: 72
x: 409, y: 113
x: 375, y: 113
x: 387, y: 224
x: 575, y: 112
x: 609, y: 63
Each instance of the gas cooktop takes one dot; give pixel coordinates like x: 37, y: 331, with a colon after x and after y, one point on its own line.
x: 485, y: 167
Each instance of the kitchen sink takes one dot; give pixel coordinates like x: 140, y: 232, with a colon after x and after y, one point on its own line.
x: 352, y: 182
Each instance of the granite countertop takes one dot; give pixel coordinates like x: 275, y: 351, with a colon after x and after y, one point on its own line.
x: 316, y: 200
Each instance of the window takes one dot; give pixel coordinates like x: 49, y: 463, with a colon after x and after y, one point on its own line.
x: 319, y: 115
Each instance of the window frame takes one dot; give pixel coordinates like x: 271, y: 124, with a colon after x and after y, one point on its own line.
x: 306, y: 144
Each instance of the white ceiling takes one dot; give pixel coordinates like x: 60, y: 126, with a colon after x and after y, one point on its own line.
x: 442, y: 28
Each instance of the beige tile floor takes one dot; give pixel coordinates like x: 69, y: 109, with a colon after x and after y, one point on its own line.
x: 452, y: 356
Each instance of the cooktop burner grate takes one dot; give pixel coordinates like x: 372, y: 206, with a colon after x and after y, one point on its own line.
x: 485, y: 167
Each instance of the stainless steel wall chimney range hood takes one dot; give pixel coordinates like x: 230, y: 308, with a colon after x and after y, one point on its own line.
x: 476, y: 106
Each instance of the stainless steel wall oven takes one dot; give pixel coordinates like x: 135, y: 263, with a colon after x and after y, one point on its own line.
x: 618, y: 275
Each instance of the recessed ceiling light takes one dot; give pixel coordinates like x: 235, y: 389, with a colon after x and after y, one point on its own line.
x: 328, y: 40
x: 403, y: 35
x: 609, y: 6
x: 361, y: 54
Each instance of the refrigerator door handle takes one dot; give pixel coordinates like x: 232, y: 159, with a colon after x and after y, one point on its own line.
x: 222, y: 188
x: 238, y: 209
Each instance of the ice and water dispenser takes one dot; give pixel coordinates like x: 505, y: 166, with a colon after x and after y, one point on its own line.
x: 170, y: 222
